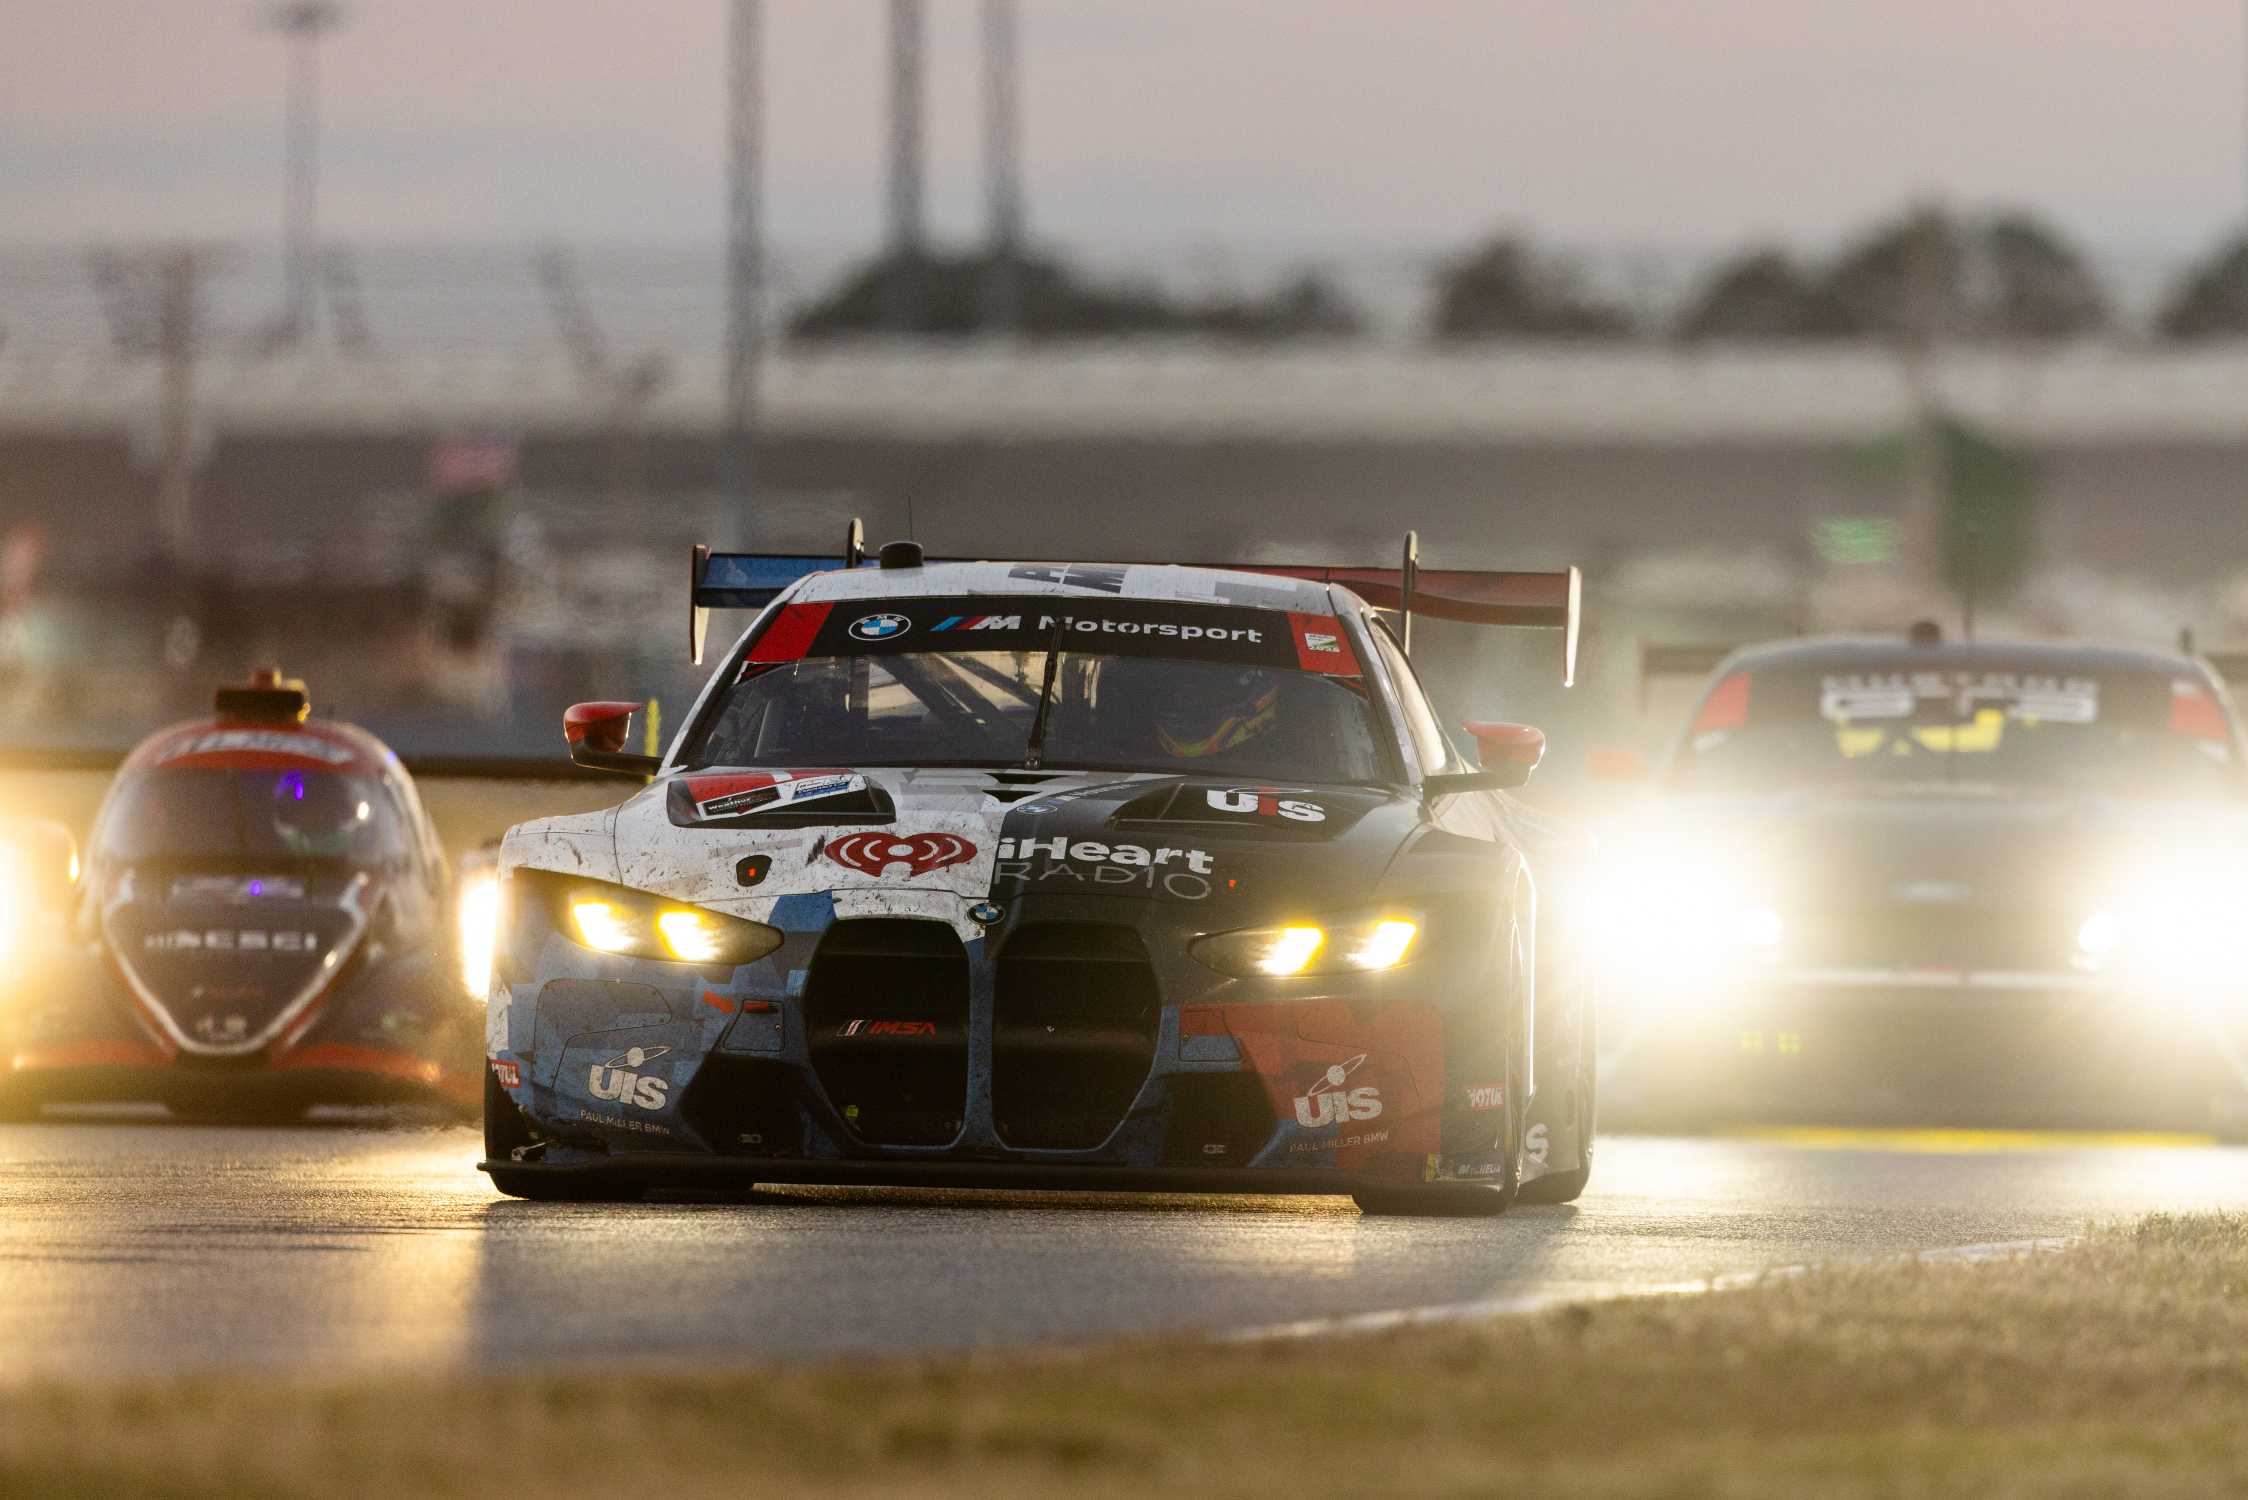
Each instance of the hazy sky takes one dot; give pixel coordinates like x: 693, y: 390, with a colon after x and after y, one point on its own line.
x: 1334, y: 123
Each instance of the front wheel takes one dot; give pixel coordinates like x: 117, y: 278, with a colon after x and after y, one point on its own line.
x: 1568, y: 1187
x: 1465, y: 1200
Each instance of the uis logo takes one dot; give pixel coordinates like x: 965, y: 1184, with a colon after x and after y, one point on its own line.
x: 885, y: 627
x: 873, y: 852
x: 1263, y: 804
x: 1330, y: 1101
x: 620, y: 1079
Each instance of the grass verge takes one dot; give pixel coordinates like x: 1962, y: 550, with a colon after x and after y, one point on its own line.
x: 2114, y: 1368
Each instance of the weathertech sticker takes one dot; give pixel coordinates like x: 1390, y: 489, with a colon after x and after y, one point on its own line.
x: 711, y: 797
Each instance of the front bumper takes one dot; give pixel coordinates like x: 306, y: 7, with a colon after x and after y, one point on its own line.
x: 1104, y: 1059
x: 391, y: 1036
x: 1938, y: 1047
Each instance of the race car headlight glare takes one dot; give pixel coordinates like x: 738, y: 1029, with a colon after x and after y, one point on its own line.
x: 691, y: 936
x: 478, y: 916
x: 612, y: 919
x: 601, y: 926
x: 1356, y: 945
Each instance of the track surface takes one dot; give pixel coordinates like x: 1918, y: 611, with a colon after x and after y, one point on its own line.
x: 130, y: 1249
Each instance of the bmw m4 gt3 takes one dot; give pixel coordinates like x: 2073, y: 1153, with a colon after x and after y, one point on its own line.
x: 264, y: 925
x: 1052, y: 875
x: 1942, y: 883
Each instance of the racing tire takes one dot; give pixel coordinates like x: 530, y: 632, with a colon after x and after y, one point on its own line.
x: 1568, y: 1187
x: 1471, y: 1200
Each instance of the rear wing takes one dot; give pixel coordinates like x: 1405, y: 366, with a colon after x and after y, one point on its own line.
x: 1538, y: 601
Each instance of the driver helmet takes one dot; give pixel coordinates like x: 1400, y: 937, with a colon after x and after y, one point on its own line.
x: 1212, y: 712
x: 316, y: 816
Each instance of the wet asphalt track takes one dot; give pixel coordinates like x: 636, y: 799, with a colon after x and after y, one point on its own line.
x: 136, y: 1248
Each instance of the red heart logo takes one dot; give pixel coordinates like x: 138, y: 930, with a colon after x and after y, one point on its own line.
x: 872, y: 852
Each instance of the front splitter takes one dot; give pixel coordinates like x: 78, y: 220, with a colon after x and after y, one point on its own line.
x: 651, y: 1169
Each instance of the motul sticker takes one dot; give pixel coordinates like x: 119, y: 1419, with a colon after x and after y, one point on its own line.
x: 876, y: 852
x: 509, y: 1075
x: 1487, y: 1096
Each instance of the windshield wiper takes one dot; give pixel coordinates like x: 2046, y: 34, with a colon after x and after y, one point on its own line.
x: 1037, y: 745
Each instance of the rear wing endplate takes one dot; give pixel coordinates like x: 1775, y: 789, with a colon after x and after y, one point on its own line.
x: 1538, y: 601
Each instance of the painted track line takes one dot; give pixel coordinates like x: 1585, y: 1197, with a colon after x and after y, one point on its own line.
x: 1523, y: 1304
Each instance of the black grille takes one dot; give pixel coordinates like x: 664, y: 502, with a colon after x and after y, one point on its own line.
x: 1073, y: 1035
x: 886, y: 1011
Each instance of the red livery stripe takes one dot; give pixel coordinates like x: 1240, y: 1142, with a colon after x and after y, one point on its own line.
x: 790, y: 636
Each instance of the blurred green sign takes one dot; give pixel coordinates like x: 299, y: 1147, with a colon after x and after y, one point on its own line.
x: 1855, y: 539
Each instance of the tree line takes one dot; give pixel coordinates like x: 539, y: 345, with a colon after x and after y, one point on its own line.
x: 1925, y: 275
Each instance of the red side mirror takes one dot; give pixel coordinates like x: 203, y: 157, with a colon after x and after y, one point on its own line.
x: 598, y: 726
x: 1508, y: 745
x: 1618, y: 765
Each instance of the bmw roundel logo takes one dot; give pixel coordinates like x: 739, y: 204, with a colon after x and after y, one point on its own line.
x: 984, y: 913
x: 880, y: 627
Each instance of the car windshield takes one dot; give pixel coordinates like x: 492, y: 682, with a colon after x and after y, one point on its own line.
x: 201, y: 814
x: 2123, y: 734
x: 1221, y: 692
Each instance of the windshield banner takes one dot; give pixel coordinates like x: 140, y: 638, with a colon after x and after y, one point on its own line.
x: 1125, y: 627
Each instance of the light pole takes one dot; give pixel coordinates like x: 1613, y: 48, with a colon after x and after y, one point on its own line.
x: 1003, y: 164
x: 745, y: 249
x: 302, y: 23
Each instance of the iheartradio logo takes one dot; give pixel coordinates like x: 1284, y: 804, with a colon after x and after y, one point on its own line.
x: 873, y: 852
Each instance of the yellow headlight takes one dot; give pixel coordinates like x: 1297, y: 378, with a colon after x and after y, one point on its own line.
x: 690, y: 936
x: 601, y: 924
x: 1292, y: 950
x: 1386, y: 946
x: 1337, y: 946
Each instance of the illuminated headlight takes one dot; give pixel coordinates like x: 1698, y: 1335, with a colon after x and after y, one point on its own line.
x: 478, y: 916
x: 1691, y: 917
x: 2100, y: 935
x: 2174, y: 927
x: 15, y: 905
x: 1357, y: 945
x: 615, y: 919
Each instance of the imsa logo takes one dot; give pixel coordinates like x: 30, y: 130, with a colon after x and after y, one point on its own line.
x: 620, y: 1079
